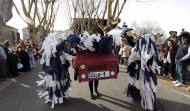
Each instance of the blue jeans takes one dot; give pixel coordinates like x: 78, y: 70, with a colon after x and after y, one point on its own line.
x: 32, y: 61
x: 180, y: 69
x: 125, y: 60
x: 118, y: 58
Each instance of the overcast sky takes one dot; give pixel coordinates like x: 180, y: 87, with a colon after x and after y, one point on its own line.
x: 169, y: 14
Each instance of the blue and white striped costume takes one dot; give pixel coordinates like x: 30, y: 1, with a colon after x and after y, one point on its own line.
x: 55, y: 65
x: 142, y: 70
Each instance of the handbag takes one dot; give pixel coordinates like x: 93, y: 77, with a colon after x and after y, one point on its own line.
x: 19, y: 65
x: 122, y: 55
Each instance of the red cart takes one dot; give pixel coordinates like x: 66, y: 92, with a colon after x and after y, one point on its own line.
x: 95, y: 66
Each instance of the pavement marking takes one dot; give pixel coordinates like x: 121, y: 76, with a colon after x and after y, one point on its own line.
x: 25, y: 85
x: 8, y: 82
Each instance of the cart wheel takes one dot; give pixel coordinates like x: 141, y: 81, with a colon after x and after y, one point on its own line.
x: 75, y: 73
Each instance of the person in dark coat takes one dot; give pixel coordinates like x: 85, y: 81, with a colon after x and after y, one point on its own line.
x: 13, y: 61
x: 24, y: 57
x: 182, y: 58
x: 116, y: 53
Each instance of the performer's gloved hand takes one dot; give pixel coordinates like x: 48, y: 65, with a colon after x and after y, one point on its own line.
x: 70, y: 52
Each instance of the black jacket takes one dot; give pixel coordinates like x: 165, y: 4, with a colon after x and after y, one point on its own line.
x: 130, y: 41
x: 172, y: 55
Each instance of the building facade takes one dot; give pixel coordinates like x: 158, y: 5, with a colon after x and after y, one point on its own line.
x: 9, y: 33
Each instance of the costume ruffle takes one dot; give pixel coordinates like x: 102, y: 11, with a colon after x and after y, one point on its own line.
x: 55, y: 66
x: 142, y: 70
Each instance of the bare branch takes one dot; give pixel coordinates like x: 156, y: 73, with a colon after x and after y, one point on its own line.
x: 51, y: 14
x: 18, y: 11
x: 30, y: 5
x: 38, y: 16
x: 115, y: 8
x: 24, y: 9
x: 35, y: 11
x: 45, y: 14
x: 109, y: 10
x: 121, y: 9
x: 106, y: 5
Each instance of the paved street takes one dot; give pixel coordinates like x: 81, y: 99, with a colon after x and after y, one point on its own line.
x: 20, y: 94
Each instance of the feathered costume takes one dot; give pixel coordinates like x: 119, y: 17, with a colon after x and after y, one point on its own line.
x: 96, y: 42
x: 55, y: 62
x: 55, y: 65
x: 142, y: 70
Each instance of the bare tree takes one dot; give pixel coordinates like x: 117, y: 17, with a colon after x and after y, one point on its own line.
x: 81, y: 14
x: 148, y: 27
x: 39, y: 15
x: 87, y: 14
x: 84, y: 15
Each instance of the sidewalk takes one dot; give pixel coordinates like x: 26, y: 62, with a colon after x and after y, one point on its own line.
x: 168, y: 82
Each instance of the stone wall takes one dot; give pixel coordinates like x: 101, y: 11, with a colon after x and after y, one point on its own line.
x: 6, y: 10
x: 7, y: 32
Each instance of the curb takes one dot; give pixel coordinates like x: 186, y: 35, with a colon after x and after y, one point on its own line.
x: 168, y: 82
x: 184, y: 88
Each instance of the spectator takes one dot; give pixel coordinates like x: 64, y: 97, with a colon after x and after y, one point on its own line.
x: 13, y: 61
x: 121, y: 53
x: 3, y: 58
x: 173, y: 37
x: 169, y: 61
x: 31, y: 52
x: 116, y: 53
x: 161, y: 56
x: 182, y: 58
x: 160, y: 48
x: 8, y: 52
x: 126, y: 52
x: 11, y: 47
x: 24, y: 57
x: 36, y: 48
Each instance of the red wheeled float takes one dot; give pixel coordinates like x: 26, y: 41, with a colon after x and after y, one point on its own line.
x: 95, y: 66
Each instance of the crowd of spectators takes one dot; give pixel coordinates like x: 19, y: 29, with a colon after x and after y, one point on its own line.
x: 173, y: 55
x: 17, y: 58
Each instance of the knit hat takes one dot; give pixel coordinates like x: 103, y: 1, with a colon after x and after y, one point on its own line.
x: 185, y: 34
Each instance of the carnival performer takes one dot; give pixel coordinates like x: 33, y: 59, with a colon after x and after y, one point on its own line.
x: 142, y: 70
x: 55, y: 65
x: 95, y: 42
